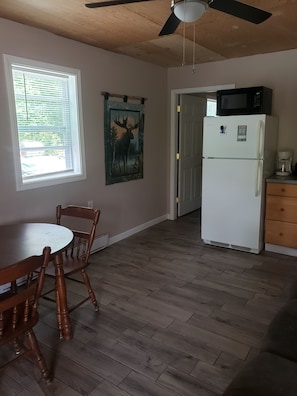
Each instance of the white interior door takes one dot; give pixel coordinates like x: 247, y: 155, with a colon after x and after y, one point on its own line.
x: 193, y: 109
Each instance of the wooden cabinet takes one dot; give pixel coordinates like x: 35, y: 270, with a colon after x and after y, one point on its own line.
x: 281, y: 215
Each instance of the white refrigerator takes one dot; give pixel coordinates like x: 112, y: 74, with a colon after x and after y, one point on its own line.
x: 239, y: 153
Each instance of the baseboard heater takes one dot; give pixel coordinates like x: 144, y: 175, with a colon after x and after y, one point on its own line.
x: 100, y: 243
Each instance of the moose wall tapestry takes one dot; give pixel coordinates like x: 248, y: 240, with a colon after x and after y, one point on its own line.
x: 123, y: 139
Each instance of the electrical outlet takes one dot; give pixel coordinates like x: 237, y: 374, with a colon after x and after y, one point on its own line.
x: 90, y: 204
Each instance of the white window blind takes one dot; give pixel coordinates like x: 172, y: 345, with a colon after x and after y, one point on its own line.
x: 47, y: 123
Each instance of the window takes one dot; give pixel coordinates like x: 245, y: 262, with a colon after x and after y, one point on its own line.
x: 211, y: 108
x: 46, y: 123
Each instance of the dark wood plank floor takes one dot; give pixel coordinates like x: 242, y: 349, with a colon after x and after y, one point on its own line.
x: 176, y: 318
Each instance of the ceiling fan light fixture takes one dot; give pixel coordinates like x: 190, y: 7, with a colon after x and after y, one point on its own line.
x: 189, y: 10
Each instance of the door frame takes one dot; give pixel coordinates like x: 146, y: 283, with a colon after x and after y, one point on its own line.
x: 174, y: 136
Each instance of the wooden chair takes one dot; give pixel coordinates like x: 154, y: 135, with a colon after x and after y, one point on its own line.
x: 19, y: 308
x: 76, y: 257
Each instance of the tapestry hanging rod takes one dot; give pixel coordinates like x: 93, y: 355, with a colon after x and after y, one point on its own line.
x: 125, y: 98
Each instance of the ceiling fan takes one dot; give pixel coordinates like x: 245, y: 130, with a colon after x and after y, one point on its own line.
x: 191, y: 10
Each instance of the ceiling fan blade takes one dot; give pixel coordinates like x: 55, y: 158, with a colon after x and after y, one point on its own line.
x: 112, y: 3
x: 240, y: 10
x: 171, y: 25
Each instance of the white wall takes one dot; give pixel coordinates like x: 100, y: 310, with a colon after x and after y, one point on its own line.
x: 276, y: 70
x: 123, y: 205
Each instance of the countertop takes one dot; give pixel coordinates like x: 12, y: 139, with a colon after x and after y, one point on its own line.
x: 282, y: 179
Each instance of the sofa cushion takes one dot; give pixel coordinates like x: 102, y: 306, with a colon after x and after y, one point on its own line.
x: 265, y: 375
x: 281, y: 337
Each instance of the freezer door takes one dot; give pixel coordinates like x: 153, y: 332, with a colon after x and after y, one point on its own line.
x: 234, y: 136
x: 232, y: 202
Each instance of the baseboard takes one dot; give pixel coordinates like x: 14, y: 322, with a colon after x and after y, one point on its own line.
x: 281, y: 249
x: 102, y: 241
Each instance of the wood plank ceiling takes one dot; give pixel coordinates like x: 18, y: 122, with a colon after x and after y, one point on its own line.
x: 133, y: 29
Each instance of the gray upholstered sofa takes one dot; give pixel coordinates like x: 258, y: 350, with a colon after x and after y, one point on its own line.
x: 274, y: 371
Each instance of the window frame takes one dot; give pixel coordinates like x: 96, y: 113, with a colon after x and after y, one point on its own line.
x: 77, y: 134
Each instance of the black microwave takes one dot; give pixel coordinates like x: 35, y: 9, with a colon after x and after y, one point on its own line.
x: 252, y: 100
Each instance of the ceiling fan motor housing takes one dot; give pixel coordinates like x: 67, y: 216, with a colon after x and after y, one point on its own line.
x: 189, y: 10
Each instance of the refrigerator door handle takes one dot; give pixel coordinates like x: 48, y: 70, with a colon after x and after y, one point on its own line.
x: 260, y: 140
x: 258, y: 178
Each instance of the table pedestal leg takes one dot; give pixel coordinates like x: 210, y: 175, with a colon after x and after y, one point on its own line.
x: 59, y: 317
x: 64, y: 324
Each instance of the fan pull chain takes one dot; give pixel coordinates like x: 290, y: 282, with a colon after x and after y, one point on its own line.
x: 194, y: 48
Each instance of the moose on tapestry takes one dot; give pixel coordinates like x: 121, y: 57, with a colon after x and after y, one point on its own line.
x: 123, y: 134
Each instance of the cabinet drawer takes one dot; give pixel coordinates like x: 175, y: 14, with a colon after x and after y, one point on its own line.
x: 283, y: 234
x: 282, y: 189
x: 281, y: 208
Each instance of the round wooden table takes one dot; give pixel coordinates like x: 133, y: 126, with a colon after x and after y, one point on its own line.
x: 19, y: 241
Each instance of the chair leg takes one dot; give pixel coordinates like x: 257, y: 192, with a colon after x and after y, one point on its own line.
x: 38, y: 356
x: 90, y: 290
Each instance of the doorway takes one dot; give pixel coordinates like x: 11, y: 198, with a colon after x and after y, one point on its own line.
x: 176, y: 134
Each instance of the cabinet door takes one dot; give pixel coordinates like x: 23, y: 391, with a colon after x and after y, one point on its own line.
x: 283, y: 234
x: 281, y: 208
